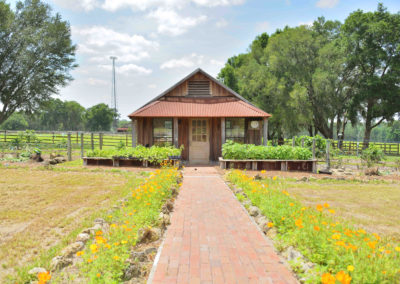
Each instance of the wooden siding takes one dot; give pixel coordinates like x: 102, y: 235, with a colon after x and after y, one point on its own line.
x: 253, y: 136
x: 183, y: 90
x: 145, y: 131
x: 183, y: 137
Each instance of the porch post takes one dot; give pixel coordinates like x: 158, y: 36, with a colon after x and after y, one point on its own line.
x: 265, y: 131
x: 222, y: 130
x: 175, y: 135
x: 134, y: 132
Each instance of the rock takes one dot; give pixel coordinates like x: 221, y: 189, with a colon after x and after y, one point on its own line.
x: 148, y: 235
x: 165, y: 219
x: 167, y: 207
x: 237, y: 190
x: 174, y: 191
x: 53, y: 155
x: 340, y: 178
x: 257, y: 177
x: 254, y: 211
x: 303, y: 179
x: 46, y: 163
x: 60, y: 159
x: 100, y: 221
x: 59, y: 262
x: 327, y: 178
x: 247, y: 203
x: 150, y: 251
x: 72, y: 249
x: 53, y: 162
x: 261, y: 219
x: 139, y: 256
x: 292, y: 254
x: 133, y: 270
x: 348, y: 173
x: 372, y: 171
x: 35, y: 271
x: 307, y: 266
x: 82, y: 237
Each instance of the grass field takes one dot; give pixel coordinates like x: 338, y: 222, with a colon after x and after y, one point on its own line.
x: 371, y: 205
x: 42, y: 209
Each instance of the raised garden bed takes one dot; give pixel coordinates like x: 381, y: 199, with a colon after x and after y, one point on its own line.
x: 125, y: 162
x: 270, y: 165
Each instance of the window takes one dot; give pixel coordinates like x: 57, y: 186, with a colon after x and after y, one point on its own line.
x: 199, y: 130
x: 162, y: 131
x: 234, y: 129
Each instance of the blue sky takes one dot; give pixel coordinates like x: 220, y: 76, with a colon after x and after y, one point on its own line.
x: 159, y: 42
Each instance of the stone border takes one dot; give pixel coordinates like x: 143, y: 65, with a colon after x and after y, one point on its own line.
x: 291, y: 256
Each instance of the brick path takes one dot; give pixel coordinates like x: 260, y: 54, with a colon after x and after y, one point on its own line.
x: 211, y: 238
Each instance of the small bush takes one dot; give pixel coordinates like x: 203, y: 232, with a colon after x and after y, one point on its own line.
x: 372, y: 155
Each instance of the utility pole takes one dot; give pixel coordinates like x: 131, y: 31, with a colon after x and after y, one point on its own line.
x: 114, y: 94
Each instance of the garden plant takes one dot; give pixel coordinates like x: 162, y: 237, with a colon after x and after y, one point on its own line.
x: 340, y: 252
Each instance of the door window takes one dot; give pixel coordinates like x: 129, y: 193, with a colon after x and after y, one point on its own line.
x: 199, y: 130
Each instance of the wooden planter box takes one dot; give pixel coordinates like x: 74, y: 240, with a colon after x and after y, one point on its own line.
x: 270, y: 165
x: 122, y: 161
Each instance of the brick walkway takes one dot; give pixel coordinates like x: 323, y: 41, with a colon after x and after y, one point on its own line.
x: 211, y: 238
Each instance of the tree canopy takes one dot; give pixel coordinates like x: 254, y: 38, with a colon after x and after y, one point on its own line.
x: 36, y: 55
x: 320, y: 77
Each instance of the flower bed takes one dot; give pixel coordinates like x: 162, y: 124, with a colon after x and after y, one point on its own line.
x: 341, y: 253
x: 105, y: 259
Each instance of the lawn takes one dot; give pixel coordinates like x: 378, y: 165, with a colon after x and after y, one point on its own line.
x: 371, y: 205
x: 42, y: 209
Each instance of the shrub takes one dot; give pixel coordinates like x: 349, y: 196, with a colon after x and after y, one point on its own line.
x: 236, y: 151
x: 372, y: 155
x: 320, y: 144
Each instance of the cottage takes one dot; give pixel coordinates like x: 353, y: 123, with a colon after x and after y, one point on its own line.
x: 200, y: 113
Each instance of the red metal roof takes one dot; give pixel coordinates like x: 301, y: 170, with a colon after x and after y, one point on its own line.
x: 193, y: 109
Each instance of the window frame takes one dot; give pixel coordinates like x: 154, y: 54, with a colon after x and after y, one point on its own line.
x: 242, y: 137
x: 162, y: 139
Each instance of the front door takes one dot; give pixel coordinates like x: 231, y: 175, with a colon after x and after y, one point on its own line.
x: 199, y: 145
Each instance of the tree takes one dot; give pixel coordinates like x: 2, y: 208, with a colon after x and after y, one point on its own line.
x: 372, y: 43
x: 36, y: 55
x: 16, y: 121
x: 99, y: 118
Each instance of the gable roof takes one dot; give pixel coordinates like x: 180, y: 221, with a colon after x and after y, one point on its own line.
x: 199, y: 70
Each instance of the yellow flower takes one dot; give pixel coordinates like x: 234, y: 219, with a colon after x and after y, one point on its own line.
x: 274, y: 178
x: 123, y: 242
x: 79, y: 253
x: 350, y: 268
x: 332, y: 211
x: 263, y: 171
x: 397, y: 249
x: 319, y: 207
x: 270, y: 224
x: 326, y: 205
x: 98, y: 275
x: 299, y: 223
x: 116, y: 257
x: 93, y: 248
x: 362, y: 231
x: 343, y: 278
x: 372, y: 245
x: 90, y: 260
x: 291, y: 204
x: 316, y: 228
x: 283, y: 218
x: 336, y: 236
x: 99, y: 233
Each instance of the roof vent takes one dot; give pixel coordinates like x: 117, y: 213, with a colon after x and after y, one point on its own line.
x: 199, y: 88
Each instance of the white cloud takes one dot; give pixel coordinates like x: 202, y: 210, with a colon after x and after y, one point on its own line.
x: 97, y: 82
x: 141, y: 5
x: 327, y: 3
x: 86, y: 5
x: 127, y: 69
x: 152, y: 86
x: 262, y: 26
x: 217, y: 63
x: 169, y: 22
x: 222, y: 23
x: 215, y: 3
x: 184, y: 62
x: 99, y: 43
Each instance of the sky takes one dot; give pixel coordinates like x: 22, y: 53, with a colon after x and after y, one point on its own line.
x: 158, y: 42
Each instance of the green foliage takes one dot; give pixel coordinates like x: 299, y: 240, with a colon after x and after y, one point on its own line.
x: 236, y: 151
x: 154, y: 154
x: 36, y: 55
x: 99, y: 117
x: 15, y: 122
x: 372, y: 155
x: 320, y: 144
x: 327, y: 241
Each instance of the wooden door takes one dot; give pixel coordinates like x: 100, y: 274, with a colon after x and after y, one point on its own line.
x: 199, y: 143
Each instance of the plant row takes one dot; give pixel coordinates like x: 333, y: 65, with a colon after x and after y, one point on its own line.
x: 155, y: 154
x: 105, y: 258
x: 237, y: 151
x: 341, y: 252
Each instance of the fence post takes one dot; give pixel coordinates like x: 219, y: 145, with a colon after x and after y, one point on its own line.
x: 81, y: 145
x: 313, y: 148
x: 92, y: 140
x: 69, y: 147
x: 294, y: 141
x: 126, y: 139
x: 302, y: 142
x: 53, y: 136
x: 77, y: 137
x: 358, y: 147
x: 398, y: 148
x: 328, y: 161
x: 101, y: 140
x: 5, y: 135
